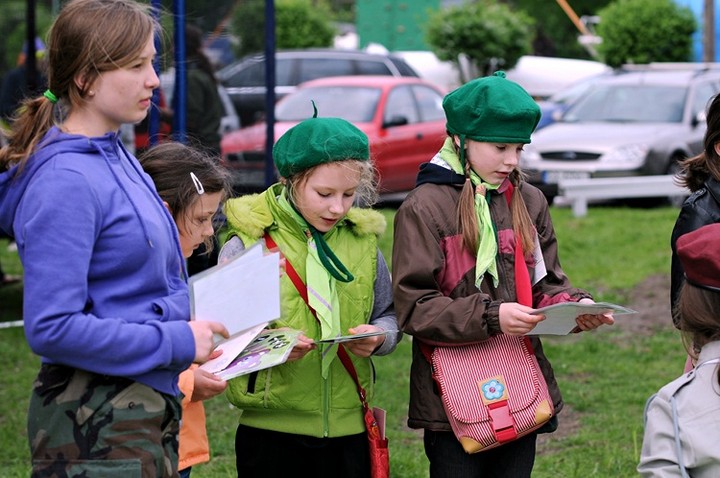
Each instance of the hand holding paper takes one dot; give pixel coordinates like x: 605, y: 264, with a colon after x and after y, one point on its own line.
x: 560, y: 319
x: 301, y: 348
x: 593, y: 320
x: 203, y: 332
x: 364, y: 347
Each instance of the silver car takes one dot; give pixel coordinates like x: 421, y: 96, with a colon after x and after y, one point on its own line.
x: 638, y: 121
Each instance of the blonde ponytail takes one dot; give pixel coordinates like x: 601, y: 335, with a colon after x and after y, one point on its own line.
x: 466, y: 216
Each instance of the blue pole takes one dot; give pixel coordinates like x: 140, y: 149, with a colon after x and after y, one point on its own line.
x: 270, y: 90
x: 180, y: 92
x: 154, y: 118
x: 31, y: 54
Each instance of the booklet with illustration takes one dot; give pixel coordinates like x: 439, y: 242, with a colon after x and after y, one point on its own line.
x: 347, y: 338
x: 268, y: 349
x: 560, y: 318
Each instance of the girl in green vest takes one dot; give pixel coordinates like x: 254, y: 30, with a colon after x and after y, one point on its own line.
x: 335, y: 282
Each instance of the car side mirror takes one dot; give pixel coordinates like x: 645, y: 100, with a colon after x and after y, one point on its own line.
x: 396, y: 120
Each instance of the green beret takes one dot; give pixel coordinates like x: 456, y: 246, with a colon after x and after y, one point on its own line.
x: 492, y: 110
x: 317, y: 141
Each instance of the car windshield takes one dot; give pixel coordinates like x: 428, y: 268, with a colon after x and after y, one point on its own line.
x: 573, y: 92
x: 630, y: 103
x: 356, y: 104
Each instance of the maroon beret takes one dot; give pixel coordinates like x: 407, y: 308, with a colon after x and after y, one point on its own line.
x: 699, y: 253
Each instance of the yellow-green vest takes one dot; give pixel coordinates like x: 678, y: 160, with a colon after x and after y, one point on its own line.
x: 293, y: 397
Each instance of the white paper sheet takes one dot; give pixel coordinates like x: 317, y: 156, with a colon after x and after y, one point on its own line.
x: 560, y: 318
x: 348, y: 338
x: 242, y: 293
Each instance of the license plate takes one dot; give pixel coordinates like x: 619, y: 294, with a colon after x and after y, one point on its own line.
x: 554, y: 177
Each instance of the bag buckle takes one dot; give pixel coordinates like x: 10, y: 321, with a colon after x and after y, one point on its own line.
x: 502, y: 422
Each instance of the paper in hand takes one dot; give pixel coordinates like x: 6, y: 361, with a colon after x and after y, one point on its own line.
x: 242, y: 293
x: 560, y: 318
x: 348, y: 338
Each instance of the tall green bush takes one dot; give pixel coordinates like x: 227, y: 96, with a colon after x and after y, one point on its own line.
x: 488, y: 33
x: 298, y: 24
x: 644, y: 31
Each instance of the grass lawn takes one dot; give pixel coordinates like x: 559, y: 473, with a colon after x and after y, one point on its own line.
x: 605, y: 375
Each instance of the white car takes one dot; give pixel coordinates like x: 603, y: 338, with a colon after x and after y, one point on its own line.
x: 637, y: 122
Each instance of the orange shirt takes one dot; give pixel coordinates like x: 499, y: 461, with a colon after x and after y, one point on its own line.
x: 194, y: 445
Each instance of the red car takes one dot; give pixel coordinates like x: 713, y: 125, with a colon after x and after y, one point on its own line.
x: 402, y: 116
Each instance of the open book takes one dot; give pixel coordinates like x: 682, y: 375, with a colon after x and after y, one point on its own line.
x: 560, y: 318
x: 270, y: 348
x: 243, y: 294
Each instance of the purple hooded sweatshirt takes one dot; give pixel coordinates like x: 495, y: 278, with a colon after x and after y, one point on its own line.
x: 104, y: 278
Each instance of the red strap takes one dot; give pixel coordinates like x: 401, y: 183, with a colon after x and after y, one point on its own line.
x: 302, y: 290
x: 523, y: 288
x: 291, y: 272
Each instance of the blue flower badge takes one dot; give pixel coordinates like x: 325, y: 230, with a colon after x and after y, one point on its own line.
x: 493, y: 390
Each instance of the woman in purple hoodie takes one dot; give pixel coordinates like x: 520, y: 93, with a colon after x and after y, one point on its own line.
x: 105, y: 295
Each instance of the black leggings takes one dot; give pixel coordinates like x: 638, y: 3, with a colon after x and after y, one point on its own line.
x: 448, y: 459
x: 269, y: 454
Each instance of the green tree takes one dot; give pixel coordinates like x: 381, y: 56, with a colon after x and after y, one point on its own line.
x: 556, y: 34
x: 298, y: 24
x: 642, y: 31
x: 302, y: 25
x: 489, y: 34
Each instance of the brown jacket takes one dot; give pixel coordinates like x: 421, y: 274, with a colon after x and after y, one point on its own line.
x: 433, y: 284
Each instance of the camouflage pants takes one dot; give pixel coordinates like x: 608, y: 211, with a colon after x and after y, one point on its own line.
x: 81, y: 424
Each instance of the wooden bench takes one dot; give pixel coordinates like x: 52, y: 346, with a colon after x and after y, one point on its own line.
x: 579, y: 191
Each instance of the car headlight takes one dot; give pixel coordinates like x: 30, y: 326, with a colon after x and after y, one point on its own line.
x: 629, y: 154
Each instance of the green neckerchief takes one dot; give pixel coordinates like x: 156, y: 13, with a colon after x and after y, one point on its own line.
x: 321, y: 287
x: 487, y: 245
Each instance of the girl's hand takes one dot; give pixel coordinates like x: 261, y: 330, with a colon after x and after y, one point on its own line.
x: 515, y: 319
x: 207, y: 385
x: 203, y: 331
x: 301, y: 348
x: 365, y: 347
x: 593, y: 321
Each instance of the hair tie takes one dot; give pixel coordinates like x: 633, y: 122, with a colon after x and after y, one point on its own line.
x: 51, y: 96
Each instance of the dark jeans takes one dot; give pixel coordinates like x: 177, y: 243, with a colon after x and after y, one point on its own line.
x: 268, y: 454
x: 449, y: 460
